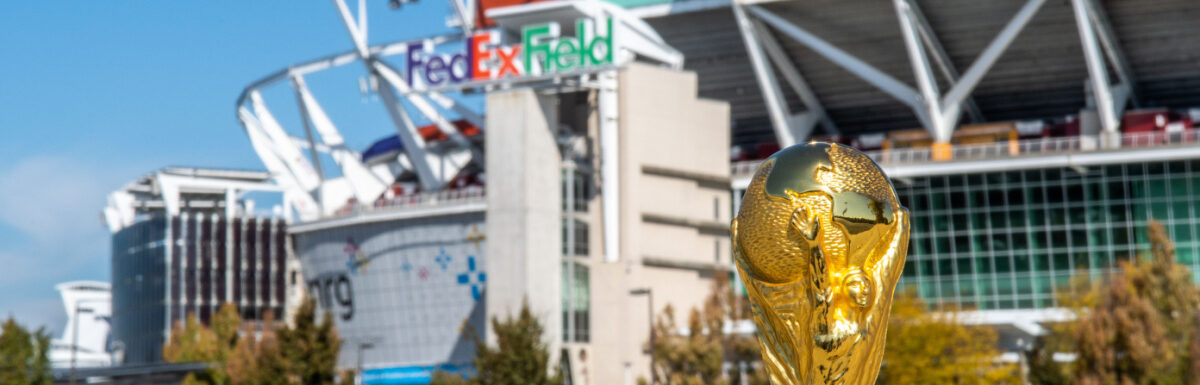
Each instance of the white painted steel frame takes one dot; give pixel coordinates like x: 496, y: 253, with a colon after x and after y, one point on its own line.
x: 938, y: 113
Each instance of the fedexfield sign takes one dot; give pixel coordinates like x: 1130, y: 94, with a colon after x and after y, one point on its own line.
x: 543, y: 50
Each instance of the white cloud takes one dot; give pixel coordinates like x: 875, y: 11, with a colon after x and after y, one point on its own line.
x: 53, y: 199
x: 53, y: 204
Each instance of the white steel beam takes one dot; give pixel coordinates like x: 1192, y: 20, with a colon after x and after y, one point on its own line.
x: 298, y: 197
x: 357, y: 33
x: 414, y: 144
x: 961, y: 89
x: 856, y: 66
x: 308, y: 134
x: 941, y: 58
x: 391, y: 76
x: 940, y: 128
x: 366, y: 186
x: 610, y: 164
x: 777, y: 110
x: 279, y: 140
x: 1116, y: 56
x: 792, y: 75
x: 1107, y: 105
x: 943, y: 111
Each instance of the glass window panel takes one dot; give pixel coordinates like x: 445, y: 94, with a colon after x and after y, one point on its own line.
x: 1004, y: 286
x: 1037, y: 194
x: 1062, y: 262
x: 1005, y: 304
x: 962, y: 244
x: 1081, y: 260
x: 947, y: 288
x: 1185, y: 255
x: 1118, y: 213
x: 1019, y: 241
x: 1058, y: 215
x: 979, y: 221
x: 986, y: 286
x: 927, y: 268
x: 1003, y: 264
x: 1074, y: 193
x: 964, y: 265
x: 1058, y: 238
x: 1159, y: 211
x: 1077, y: 215
x: 1179, y: 186
x: 996, y: 197
x: 983, y: 265
x: 940, y: 223
x: 937, y: 200
x: 966, y: 288
x: 980, y: 243
x: 999, y: 219
x: 1134, y: 170
x: 1078, y: 238
x: 978, y: 198
x: 1182, y: 233
x: 1016, y: 218
x: 1041, y: 262
x: 1025, y: 303
x: 1021, y: 263
x: 945, y: 267
x: 1037, y: 217
x: 943, y: 245
x: 960, y: 221
x: 958, y: 200
x: 1053, y: 174
x: 1042, y: 284
x: 1116, y: 190
x: 1158, y: 188
x: 1000, y: 242
x: 1015, y: 197
x: 1099, y: 237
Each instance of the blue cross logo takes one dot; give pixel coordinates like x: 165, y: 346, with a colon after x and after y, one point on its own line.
x: 443, y: 258
x: 480, y: 279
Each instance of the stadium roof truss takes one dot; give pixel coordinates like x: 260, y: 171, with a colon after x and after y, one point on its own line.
x: 313, y: 195
x: 938, y: 111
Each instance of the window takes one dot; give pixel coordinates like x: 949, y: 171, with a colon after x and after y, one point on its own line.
x: 576, y: 304
x: 580, y: 246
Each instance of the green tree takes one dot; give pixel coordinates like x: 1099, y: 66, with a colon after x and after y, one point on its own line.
x: 519, y: 357
x: 1142, y: 326
x: 927, y: 348
x: 698, y: 356
x: 16, y: 350
x: 40, y: 373
x: 311, y: 348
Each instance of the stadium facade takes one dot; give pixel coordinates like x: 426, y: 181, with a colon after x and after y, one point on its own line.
x: 605, y: 179
x: 184, y: 243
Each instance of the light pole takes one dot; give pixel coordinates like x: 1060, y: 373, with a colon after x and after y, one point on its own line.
x: 75, y: 331
x: 650, y: 300
x: 358, y: 375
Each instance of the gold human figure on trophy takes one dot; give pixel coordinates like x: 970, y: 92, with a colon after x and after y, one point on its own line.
x: 820, y: 242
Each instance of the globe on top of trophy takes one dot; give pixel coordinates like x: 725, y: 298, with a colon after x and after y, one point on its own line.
x: 820, y: 242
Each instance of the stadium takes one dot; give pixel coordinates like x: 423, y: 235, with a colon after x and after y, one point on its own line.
x: 587, y: 157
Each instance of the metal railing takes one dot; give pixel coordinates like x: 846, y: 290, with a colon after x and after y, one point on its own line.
x: 472, y: 194
x: 1000, y: 150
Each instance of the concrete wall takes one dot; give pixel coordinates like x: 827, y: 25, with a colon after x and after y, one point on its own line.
x: 524, y: 209
x: 674, y: 155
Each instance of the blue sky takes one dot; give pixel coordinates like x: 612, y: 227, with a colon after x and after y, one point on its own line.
x: 96, y: 94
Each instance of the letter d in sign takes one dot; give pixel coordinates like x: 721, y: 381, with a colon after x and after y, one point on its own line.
x: 594, y: 48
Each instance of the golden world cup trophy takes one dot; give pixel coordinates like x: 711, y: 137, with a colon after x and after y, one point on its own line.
x: 819, y: 243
